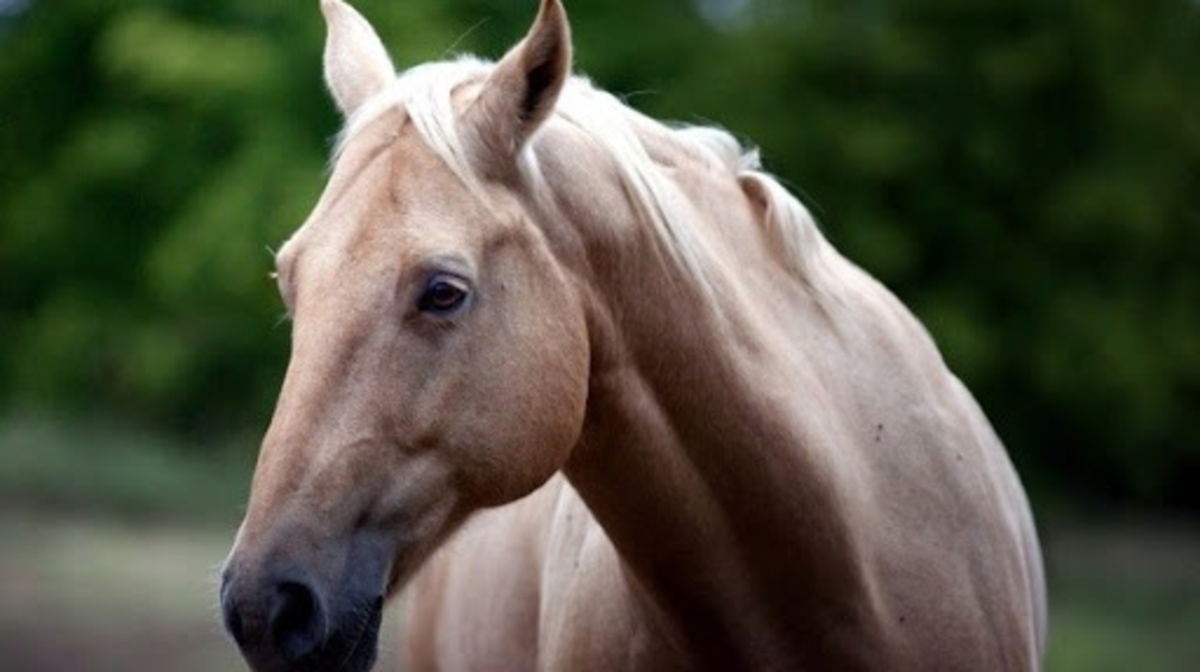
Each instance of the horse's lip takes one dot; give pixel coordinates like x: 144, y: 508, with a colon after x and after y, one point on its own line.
x: 363, y: 640
x: 368, y: 632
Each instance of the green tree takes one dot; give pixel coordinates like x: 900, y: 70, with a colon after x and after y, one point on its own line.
x: 1023, y: 173
x: 152, y: 151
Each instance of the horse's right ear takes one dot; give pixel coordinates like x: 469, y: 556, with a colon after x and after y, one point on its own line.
x: 356, y: 65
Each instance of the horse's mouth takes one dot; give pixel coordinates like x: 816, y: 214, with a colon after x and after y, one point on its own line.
x: 352, y: 647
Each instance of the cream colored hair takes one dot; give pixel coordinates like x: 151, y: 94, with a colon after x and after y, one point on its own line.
x: 426, y: 92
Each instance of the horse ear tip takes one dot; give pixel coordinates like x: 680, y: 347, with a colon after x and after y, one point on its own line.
x: 329, y: 7
x: 553, y: 10
x: 552, y: 20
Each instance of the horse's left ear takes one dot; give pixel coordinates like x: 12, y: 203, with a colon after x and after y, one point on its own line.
x: 523, y: 88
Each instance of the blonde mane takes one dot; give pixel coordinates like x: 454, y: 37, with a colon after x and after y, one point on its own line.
x: 426, y: 92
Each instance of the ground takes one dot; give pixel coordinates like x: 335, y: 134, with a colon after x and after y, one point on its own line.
x: 108, y: 597
x: 92, y: 594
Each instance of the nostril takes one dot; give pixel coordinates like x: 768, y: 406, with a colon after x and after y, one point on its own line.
x: 231, y: 615
x: 296, y: 620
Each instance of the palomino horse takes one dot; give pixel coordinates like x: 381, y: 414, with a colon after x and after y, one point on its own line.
x: 692, y: 435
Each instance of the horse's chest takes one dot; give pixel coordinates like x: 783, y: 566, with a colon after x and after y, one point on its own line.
x: 590, y: 616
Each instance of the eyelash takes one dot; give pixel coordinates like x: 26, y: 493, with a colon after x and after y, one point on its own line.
x: 444, y: 295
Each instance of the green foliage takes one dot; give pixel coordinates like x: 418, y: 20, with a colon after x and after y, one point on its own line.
x: 153, y: 152
x: 1023, y: 173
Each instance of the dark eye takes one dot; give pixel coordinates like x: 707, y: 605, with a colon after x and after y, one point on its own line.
x: 443, y: 295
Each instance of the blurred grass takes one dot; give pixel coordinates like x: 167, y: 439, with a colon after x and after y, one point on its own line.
x: 1123, y: 596
x: 110, y: 596
x: 92, y: 594
x: 101, y: 468
x: 110, y: 541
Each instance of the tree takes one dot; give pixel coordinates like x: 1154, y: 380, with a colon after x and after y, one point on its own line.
x: 1022, y: 173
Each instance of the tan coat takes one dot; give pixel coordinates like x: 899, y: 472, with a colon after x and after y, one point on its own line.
x: 743, y: 452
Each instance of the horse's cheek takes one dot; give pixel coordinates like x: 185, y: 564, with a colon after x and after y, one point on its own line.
x: 532, y: 396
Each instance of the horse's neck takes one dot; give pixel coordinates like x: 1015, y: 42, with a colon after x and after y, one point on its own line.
x: 697, y: 458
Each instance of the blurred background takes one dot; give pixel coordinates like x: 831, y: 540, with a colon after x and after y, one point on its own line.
x: 1025, y: 174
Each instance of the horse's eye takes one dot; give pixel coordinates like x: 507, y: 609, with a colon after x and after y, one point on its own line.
x: 443, y: 295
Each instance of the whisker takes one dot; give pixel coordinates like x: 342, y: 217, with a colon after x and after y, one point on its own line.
x: 628, y: 96
x: 464, y: 36
x: 362, y: 627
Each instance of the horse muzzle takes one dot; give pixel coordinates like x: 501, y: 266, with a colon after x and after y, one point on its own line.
x: 284, y: 619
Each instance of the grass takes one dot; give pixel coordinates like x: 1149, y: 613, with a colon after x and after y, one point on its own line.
x: 1125, y: 596
x: 96, y: 595
x: 108, y: 596
x: 97, y: 468
x: 111, y: 540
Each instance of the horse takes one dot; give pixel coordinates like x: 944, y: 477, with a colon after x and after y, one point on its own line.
x: 600, y: 393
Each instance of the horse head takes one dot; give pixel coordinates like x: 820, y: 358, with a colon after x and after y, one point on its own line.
x: 439, y: 358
